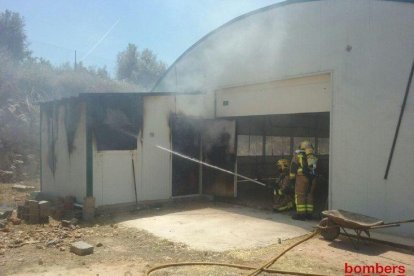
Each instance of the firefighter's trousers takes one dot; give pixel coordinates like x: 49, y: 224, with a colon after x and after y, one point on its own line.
x: 304, y: 190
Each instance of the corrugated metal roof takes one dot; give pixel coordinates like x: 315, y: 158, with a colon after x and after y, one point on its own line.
x: 277, y: 5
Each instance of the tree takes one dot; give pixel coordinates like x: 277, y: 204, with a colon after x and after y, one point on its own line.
x: 127, y: 62
x: 142, y: 68
x: 13, y: 39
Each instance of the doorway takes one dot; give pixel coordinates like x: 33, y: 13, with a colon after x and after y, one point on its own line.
x: 262, y: 140
x: 185, y: 136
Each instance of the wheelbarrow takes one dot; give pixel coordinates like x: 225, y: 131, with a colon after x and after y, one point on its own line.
x: 335, y: 220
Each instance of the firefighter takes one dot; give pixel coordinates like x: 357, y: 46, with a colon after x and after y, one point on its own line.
x: 303, y: 172
x: 283, y: 190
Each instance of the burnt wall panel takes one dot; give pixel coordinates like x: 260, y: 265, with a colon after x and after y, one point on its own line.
x: 185, y: 132
x: 115, y: 119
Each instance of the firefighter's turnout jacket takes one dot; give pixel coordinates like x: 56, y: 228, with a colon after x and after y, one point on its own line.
x: 303, y: 172
x: 283, y: 190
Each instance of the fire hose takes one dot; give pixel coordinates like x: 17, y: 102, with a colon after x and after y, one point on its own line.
x: 256, y: 271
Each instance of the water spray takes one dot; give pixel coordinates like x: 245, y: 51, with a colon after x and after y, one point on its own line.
x: 194, y: 159
x: 210, y: 166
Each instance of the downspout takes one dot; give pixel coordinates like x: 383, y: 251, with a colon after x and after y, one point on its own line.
x: 40, y: 148
x: 89, y: 151
x: 397, y: 130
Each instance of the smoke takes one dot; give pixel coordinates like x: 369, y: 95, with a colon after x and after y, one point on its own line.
x: 219, y: 132
x: 228, y: 55
x: 271, y: 44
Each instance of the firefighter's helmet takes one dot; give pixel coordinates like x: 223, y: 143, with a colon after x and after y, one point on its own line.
x: 305, y: 145
x: 282, y: 164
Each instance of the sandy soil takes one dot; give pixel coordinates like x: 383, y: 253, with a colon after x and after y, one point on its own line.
x: 129, y: 251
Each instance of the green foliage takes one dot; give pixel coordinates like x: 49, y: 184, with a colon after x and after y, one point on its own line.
x: 12, y: 37
x: 127, y: 62
x: 142, y: 68
x: 26, y: 81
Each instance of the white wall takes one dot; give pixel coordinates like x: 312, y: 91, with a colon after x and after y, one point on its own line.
x: 369, y: 47
x: 70, y: 174
x: 113, y: 181
x: 155, y: 176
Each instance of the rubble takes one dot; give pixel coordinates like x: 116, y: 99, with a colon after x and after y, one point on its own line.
x: 6, y: 213
x: 52, y: 235
x: 81, y: 248
x: 70, y: 223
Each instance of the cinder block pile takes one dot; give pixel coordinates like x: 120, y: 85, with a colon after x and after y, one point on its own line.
x: 34, y: 212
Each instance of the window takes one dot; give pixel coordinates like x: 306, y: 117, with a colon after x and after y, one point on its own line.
x: 323, y: 146
x: 277, y: 145
x: 249, y: 145
x: 256, y: 145
x: 115, y: 120
x: 243, y: 145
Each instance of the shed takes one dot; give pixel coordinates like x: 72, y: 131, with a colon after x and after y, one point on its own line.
x: 333, y: 70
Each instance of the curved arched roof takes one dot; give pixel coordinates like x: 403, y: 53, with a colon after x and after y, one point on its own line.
x: 241, y: 17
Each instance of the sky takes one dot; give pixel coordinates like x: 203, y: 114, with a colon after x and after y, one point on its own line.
x: 99, y: 30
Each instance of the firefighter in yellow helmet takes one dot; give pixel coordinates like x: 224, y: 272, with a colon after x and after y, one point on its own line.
x: 303, y: 172
x: 283, y: 191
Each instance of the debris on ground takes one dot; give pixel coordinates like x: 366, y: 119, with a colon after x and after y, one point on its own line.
x: 52, y: 235
x: 34, y: 249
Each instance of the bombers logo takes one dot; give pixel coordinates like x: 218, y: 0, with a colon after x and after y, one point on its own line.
x: 377, y: 269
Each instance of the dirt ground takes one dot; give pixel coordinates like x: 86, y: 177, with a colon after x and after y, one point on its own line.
x: 119, y: 250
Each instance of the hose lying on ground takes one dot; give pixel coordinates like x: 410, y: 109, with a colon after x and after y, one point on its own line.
x: 263, y: 268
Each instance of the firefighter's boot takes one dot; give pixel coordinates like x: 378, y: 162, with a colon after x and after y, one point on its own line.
x: 285, y: 203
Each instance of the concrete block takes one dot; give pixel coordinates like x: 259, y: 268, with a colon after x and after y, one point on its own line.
x: 81, y: 248
x: 33, y: 205
x: 43, y: 203
x: 44, y: 208
x: 22, y: 212
x: 88, y: 211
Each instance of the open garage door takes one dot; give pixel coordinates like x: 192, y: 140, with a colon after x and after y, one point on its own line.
x: 262, y: 140
x: 272, y: 119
